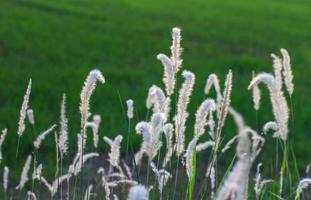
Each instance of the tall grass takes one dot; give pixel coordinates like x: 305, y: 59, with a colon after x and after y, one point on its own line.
x: 171, y: 167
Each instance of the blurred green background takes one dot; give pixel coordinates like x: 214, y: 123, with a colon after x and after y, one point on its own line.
x: 56, y: 43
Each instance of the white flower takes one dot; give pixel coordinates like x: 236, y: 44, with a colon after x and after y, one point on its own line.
x: 130, y: 107
x: 21, y: 123
x: 138, y: 192
x: 114, y: 155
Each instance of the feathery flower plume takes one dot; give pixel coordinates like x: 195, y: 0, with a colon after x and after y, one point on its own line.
x: 212, y: 177
x: 236, y: 184
x: 204, y: 145
x: 277, y: 67
x: 229, y: 143
x: 270, y: 126
x: 211, y: 81
x: 80, y: 143
x: 168, y: 132
x: 158, y: 101
x: 24, y: 176
x: 223, y: 111
x: 256, y: 96
x: 85, y: 96
x: 31, y: 196
x: 63, y: 132
x: 211, y: 124
x: 162, y: 176
x: 128, y: 170
x: 151, y: 133
x: 42, y: 136
x: 138, y: 192
x: 37, y: 172
x: 30, y: 116
x: 169, y: 73
x: 75, y: 168
x: 21, y: 123
x: 303, y: 184
x: 123, y: 181
x: 278, y: 101
x: 105, y: 183
x: 201, y: 116
x: 53, y: 188
x: 87, y: 90
x: 130, y: 108
x: 95, y: 128
x: 2, y: 138
x: 257, y: 181
x: 288, y: 75
x: 176, y: 49
x: 259, y: 184
x: 189, y: 157
x: 114, y: 155
x: 182, y: 114
x: 6, y: 178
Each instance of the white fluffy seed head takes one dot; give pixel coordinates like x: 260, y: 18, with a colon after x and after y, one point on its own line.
x: 87, y: 90
x: 158, y: 101
x: 224, y: 107
x: 63, y: 132
x: 182, y: 114
x: 288, y: 74
x: 189, y: 157
x: 114, y: 155
x: 270, y: 126
x: 24, y: 176
x: 277, y: 67
x: 130, y: 108
x: 303, y: 184
x: 278, y: 101
x: 37, y: 172
x: 256, y: 95
x: 168, y: 132
x: 6, y: 178
x: 162, y: 176
x: 211, y: 81
x: 21, y: 122
x: 204, y: 145
x: 201, y: 116
x: 151, y: 132
x: 267, y: 79
x: 169, y: 73
x: 176, y: 49
x: 30, y: 116
x: 138, y: 192
x: 2, y: 138
x: 42, y: 136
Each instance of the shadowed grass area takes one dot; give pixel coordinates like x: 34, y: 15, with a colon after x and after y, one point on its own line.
x: 56, y: 43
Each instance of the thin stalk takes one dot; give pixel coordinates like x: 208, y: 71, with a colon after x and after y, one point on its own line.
x: 176, y: 177
x: 158, y: 163
x: 19, y: 137
x: 68, y: 185
x: 61, y: 173
x: 148, y: 172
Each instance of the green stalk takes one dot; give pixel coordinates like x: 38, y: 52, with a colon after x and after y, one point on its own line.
x: 193, y: 175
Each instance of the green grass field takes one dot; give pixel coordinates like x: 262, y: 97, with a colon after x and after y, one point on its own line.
x: 56, y: 43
